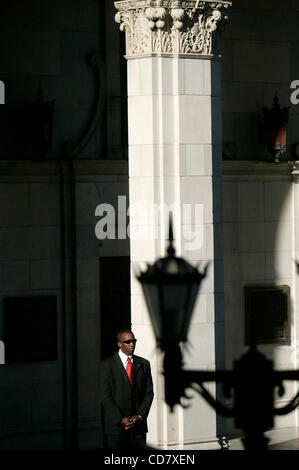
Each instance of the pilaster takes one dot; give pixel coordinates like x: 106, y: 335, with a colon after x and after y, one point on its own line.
x: 175, y: 157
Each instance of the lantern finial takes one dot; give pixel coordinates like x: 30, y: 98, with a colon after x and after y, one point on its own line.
x: 170, y: 249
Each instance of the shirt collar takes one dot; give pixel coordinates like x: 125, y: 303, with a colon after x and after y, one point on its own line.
x: 124, y: 357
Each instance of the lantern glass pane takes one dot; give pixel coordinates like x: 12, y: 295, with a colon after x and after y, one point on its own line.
x: 192, y: 296
x: 283, y: 136
x: 151, y: 294
x: 172, y: 267
x: 174, y: 298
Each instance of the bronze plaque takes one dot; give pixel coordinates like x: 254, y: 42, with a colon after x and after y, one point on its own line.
x: 267, y: 315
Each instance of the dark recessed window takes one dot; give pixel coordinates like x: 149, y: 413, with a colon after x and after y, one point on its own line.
x: 267, y: 314
x: 30, y: 329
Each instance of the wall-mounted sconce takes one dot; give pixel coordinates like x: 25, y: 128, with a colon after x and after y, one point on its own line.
x: 275, y: 128
x: 40, y: 124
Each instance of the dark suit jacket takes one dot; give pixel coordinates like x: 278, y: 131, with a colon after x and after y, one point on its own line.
x: 119, y: 398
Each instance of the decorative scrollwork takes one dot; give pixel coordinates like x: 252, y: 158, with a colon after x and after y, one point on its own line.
x: 169, y: 27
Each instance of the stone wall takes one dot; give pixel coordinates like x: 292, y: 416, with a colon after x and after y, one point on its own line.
x: 47, y: 235
x: 260, y: 57
x: 47, y: 250
x: 50, y: 45
x: 260, y: 240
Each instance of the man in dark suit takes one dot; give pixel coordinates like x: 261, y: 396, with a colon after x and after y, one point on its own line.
x: 126, y: 390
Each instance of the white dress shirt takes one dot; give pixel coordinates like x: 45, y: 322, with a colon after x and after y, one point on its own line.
x: 124, y: 358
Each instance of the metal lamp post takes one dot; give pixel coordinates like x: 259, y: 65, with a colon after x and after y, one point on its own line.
x: 170, y: 287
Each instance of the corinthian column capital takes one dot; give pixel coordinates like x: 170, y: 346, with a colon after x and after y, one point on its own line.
x: 169, y: 27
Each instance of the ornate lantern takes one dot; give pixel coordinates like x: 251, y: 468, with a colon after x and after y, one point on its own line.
x: 170, y: 287
x: 275, y: 128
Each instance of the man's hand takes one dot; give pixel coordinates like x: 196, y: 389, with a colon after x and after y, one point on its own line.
x: 134, y: 419
x: 127, y: 423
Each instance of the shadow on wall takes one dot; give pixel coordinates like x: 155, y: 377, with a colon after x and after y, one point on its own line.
x: 258, y: 251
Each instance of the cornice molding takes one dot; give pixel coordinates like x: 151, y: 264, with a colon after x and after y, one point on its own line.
x: 53, y: 170
x: 253, y: 170
x: 170, y: 28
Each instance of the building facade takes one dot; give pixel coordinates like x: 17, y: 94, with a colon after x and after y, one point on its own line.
x: 175, y: 122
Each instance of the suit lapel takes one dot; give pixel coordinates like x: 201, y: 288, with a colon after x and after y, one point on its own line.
x: 120, y: 368
x: 135, y: 368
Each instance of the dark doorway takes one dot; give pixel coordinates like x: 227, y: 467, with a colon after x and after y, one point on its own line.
x: 115, y: 300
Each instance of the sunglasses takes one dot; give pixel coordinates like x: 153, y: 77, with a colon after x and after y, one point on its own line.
x: 128, y: 341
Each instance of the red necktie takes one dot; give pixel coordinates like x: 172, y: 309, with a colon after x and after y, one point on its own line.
x: 129, y: 369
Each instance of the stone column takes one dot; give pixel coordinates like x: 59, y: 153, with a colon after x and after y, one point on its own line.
x: 175, y: 137
x: 295, y: 321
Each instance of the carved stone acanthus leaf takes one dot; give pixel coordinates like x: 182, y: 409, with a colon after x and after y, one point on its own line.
x: 165, y: 27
